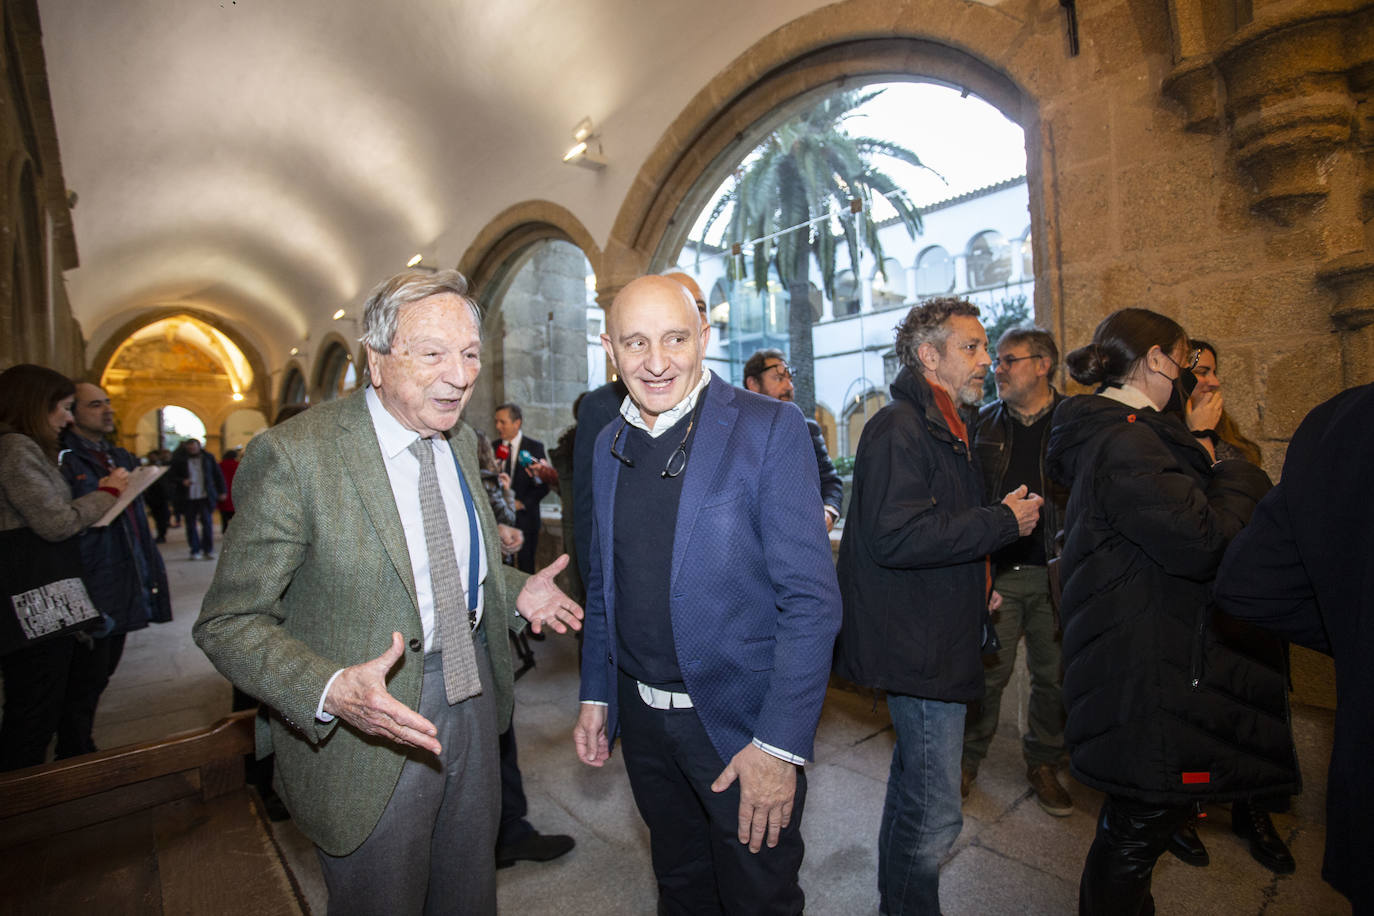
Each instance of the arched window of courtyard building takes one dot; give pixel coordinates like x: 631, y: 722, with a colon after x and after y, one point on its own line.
x: 847, y: 293
x: 829, y: 431
x: 718, y: 306
x: 856, y: 415
x: 889, y: 285
x: 934, y: 272
x: 989, y: 259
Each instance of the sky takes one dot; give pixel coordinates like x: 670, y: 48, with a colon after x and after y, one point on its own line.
x: 967, y: 141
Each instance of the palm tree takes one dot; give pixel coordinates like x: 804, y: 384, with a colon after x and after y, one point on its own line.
x: 811, y: 173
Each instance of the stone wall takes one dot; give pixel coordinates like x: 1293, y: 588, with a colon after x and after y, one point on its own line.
x: 534, y: 347
x: 1213, y: 161
x: 36, y: 239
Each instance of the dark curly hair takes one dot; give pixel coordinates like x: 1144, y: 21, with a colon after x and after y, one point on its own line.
x: 927, y: 323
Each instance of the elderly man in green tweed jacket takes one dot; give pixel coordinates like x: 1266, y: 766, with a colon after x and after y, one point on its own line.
x: 345, y: 601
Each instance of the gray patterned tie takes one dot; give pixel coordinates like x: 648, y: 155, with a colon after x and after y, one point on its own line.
x: 455, y: 640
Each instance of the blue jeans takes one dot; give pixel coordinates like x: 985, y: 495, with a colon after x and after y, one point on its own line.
x: 200, y: 526
x: 922, y: 816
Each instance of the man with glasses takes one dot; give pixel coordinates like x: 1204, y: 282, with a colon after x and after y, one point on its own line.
x: 712, y: 611
x: 1010, y: 440
x: 767, y: 373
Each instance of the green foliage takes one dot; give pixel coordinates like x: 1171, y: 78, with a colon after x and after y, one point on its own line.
x: 844, y: 465
x: 809, y: 169
x: 1002, y: 317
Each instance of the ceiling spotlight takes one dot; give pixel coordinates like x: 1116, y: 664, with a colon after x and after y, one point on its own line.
x: 339, y: 314
x: 237, y: 396
x: 295, y: 351
x: 585, y: 136
x: 415, y: 259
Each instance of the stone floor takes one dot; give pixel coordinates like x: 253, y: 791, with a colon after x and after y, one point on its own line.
x: 1010, y: 858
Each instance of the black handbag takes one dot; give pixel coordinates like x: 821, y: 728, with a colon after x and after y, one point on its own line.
x: 44, y: 596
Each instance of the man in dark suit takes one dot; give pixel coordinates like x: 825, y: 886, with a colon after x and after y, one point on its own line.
x: 713, y: 610
x: 1302, y: 568
x: 526, y: 477
x: 357, y: 534
x: 767, y: 373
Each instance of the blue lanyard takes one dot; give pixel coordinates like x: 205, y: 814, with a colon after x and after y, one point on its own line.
x: 474, y: 544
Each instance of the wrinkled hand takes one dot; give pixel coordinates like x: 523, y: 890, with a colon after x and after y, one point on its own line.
x: 994, y: 600
x: 543, y: 603
x: 512, y: 539
x: 767, y: 787
x: 359, y: 697
x: 589, y: 735
x: 829, y: 521
x: 1026, y: 506
x: 1206, y: 414
x: 116, y: 480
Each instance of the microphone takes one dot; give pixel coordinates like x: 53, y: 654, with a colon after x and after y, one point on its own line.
x: 502, y: 452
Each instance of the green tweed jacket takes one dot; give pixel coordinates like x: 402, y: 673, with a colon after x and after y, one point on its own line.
x: 314, y: 576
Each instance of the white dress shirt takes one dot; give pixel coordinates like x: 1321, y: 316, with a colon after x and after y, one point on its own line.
x: 403, y: 472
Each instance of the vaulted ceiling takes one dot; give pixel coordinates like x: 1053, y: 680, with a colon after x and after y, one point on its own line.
x: 267, y: 162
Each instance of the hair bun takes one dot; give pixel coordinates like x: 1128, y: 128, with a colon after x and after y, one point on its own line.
x: 1087, y: 365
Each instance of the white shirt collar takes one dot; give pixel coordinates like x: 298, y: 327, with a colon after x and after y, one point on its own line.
x: 391, y: 435
x: 1131, y: 396
x: 630, y: 411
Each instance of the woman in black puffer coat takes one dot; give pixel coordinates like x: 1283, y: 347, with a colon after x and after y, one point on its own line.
x: 1160, y: 714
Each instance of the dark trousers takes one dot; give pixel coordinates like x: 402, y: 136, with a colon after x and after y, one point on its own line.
x: 699, y: 863
x: 200, y: 526
x: 162, y: 517
x: 514, y: 806
x: 431, y: 851
x: 52, y: 687
x: 524, y: 560
x: 1131, y: 836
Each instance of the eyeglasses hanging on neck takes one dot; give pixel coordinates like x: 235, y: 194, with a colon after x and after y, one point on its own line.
x: 677, y: 461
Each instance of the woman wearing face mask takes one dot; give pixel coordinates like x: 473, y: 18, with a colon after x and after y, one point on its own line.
x: 1160, y: 717
x: 1250, y: 819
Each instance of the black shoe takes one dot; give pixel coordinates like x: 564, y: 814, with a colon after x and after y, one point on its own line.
x: 1187, y: 847
x: 1252, y: 823
x: 534, y: 848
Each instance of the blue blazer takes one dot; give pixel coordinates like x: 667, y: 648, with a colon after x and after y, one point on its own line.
x: 753, y: 597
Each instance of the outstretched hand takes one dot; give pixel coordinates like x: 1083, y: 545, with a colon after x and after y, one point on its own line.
x: 359, y: 697
x: 543, y: 603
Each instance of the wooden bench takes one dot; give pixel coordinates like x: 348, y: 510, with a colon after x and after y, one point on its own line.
x: 162, y: 827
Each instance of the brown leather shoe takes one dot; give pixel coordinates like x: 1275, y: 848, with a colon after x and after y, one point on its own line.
x: 1048, y: 792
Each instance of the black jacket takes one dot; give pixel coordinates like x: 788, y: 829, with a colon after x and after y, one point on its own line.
x: 1159, y: 708
x: 179, y: 473
x: 125, y: 575
x: 1303, y: 568
x: 832, y: 487
x: 529, y: 491
x: 912, y: 563
x: 992, y: 445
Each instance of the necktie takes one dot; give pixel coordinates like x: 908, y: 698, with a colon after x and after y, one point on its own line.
x: 455, y: 640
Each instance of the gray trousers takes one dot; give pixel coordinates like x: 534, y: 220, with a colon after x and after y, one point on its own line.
x: 1026, y: 609
x: 433, y: 850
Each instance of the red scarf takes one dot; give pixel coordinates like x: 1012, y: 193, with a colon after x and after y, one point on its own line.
x: 949, y: 411
x: 957, y: 426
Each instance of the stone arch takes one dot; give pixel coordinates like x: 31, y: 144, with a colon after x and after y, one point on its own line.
x: 329, y: 345
x: 493, y: 264
x: 516, y: 228
x: 259, y: 395
x: 847, y: 43
x: 292, y: 368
